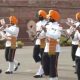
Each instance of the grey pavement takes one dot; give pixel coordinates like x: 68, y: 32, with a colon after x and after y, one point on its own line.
x: 28, y: 67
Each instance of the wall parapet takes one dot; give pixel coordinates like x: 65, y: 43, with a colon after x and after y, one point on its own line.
x: 41, y: 3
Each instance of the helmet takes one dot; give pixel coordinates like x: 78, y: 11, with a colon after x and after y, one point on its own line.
x: 78, y: 15
x: 54, y: 15
x: 42, y: 13
x: 13, y: 20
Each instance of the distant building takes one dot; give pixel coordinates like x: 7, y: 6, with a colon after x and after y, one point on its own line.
x: 26, y: 10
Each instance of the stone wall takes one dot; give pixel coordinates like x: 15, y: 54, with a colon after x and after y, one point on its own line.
x: 26, y: 10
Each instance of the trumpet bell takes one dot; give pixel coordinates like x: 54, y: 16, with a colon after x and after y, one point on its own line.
x: 31, y: 29
x: 2, y: 34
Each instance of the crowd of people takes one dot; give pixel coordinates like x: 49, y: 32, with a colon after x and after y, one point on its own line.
x: 47, y: 47
x: 47, y: 43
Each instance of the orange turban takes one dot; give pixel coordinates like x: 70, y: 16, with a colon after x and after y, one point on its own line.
x: 78, y: 15
x: 54, y: 15
x: 42, y: 13
x: 13, y: 19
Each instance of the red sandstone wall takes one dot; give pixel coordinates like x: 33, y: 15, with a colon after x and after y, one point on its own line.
x: 26, y: 10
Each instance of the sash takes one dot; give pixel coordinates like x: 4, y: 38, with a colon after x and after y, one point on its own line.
x: 42, y: 43
x: 52, y: 46
x: 13, y: 42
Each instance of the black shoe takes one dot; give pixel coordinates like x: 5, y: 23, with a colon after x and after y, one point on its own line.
x: 75, y: 72
x: 8, y: 72
x: 0, y: 71
x: 17, y: 67
x: 74, y: 66
x: 38, y: 76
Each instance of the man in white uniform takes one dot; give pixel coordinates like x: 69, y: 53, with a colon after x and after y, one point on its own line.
x: 53, y: 33
x: 2, y: 22
x: 77, y: 58
x: 73, y: 33
x: 39, y: 42
x: 10, y: 45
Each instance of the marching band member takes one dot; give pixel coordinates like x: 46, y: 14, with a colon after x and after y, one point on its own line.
x: 40, y: 42
x: 72, y: 31
x: 2, y: 22
x: 53, y: 33
x: 77, y: 58
x: 75, y: 43
x: 11, y: 37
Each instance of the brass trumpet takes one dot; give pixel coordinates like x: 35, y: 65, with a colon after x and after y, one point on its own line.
x: 3, y: 33
x: 2, y: 28
x: 71, y: 22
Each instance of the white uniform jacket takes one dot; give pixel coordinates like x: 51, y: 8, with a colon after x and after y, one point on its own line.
x: 53, y: 31
x: 78, y: 49
x: 75, y: 40
x: 11, y: 31
x: 39, y: 25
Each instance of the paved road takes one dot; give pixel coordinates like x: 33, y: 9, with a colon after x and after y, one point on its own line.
x: 28, y: 67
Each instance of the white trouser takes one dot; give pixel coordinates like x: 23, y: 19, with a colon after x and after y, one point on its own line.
x: 40, y: 71
x: 15, y: 63
x: 11, y: 66
x: 55, y: 78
